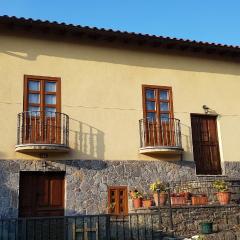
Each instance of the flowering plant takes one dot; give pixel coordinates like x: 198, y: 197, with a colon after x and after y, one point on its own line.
x: 135, y: 194
x: 158, y: 185
x: 220, y: 185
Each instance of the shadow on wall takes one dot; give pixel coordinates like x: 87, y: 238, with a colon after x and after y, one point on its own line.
x: 9, y: 179
x: 86, y: 140
x: 32, y: 51
x: 187, y: 142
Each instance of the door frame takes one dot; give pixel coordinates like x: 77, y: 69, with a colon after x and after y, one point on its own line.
x: 219, y: 136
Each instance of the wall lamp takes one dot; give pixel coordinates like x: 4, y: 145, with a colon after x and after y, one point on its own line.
x: 206, y: 109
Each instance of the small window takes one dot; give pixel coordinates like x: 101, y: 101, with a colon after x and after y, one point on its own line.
x: 118, y: 200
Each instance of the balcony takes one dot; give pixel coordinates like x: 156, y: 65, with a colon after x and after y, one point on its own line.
x: 163, y: 136
x: 42, y: 132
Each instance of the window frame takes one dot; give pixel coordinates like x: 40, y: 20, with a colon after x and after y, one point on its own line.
x: 157, y: 101
x: 125, y: 199
x: 42, y: 92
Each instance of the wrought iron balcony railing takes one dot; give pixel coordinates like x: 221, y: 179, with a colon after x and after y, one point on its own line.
x: 43, y: 128
x: 160, y: 134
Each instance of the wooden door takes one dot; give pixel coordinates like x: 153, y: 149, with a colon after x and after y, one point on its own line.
x: 205, y: 144
x: 41, y: 194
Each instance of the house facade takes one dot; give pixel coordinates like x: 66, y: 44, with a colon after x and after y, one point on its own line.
x: 88, y: 114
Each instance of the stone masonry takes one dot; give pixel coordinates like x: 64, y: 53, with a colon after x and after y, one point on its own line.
x: 87, y: 180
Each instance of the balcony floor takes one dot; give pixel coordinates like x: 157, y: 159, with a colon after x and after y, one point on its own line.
x: 41, y: 148
x: 161, y: 149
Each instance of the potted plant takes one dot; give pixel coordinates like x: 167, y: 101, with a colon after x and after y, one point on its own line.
x: 199, y: 199
x: 147, y: 201
x: 159, y: 186
x: 178, y: 199
x: 136, y: 198
x: 223, y: 194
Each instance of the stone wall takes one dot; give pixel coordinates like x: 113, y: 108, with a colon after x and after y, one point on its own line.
x: 87, y: 180
x: 187, y: 220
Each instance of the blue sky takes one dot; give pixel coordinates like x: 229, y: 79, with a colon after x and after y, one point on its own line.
x: 206, y: 20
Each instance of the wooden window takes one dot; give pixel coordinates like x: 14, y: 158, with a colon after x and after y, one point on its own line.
x: 42, y: 107
x: 42, y: 94
x: 158, y: 124
x: 157, y: 103
x: 118, y: 200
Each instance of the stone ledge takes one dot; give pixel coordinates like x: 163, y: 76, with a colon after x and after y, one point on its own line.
x: 154, y: 208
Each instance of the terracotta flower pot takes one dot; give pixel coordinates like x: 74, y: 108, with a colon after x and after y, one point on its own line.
x: 199, y: 200
x: 178, y: 200
x: 162, y: 198
x: 224, y: 197
x: 147, y: 203
x: 137, y: 202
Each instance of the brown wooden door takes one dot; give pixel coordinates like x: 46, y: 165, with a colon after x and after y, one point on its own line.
x: 41, y: 194
x: 205, y: 144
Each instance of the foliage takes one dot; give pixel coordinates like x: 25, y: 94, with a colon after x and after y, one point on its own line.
x: 147, y: 196
x: 220, y: 185
x: 135, y: 194
x: 112, y: 205
x: 158, y: 185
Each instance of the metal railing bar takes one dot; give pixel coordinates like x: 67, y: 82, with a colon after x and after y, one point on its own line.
x: 137, y: 227
x: 152, y: 226
x: 117, y: 227
x: 162, y: 132
x: 123, y: 225
x: 41, y: 127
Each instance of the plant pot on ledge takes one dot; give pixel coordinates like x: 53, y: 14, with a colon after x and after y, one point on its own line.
x: 147, y: 203
x: 224, y: 198
x: 178, y: 200
x: 200, y: 199
x: 137, y: 202
x: 162, y: 198
x: 136, y: 198
x: 223, y: 194
x: 159, y: 186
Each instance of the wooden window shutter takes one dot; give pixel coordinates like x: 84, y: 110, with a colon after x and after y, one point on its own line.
x: 118, y: 200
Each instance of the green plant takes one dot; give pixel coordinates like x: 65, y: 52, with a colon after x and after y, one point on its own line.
x: 220, y: 185
x: 146, y: 196
x: 112, y: 205
x: 135, y: 194
x: 158, y: 185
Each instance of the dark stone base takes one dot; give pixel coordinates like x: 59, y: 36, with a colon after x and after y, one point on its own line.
x: 87, y: 180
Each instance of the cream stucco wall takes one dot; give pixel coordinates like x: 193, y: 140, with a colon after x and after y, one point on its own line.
x: 101, y: 93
